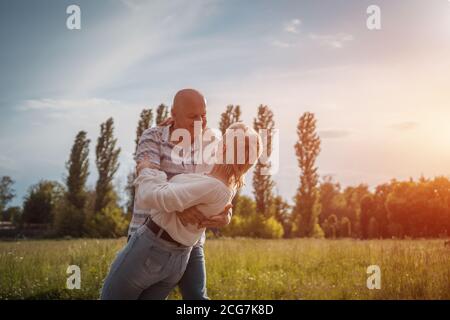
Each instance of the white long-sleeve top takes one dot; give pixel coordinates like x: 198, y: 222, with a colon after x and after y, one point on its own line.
x: 165, y: 198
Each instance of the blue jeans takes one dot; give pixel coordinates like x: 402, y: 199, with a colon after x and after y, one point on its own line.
x: 147, y: 268
x: 193, y: 283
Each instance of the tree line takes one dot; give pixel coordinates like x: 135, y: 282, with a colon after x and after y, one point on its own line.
x: 321, y: 208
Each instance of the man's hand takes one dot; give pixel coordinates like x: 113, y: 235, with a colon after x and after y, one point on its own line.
x: 219, y: 220
x: 191, y: 216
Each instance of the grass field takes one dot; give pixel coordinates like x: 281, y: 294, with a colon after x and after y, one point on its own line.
x: 244, y: 268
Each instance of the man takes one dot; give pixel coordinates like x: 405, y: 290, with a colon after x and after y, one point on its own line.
x: 189, y: 106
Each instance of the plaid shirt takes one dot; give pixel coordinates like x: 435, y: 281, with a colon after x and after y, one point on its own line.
x: 155, y: 143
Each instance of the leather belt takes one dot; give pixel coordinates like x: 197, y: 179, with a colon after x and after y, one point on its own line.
x: 156, y: 229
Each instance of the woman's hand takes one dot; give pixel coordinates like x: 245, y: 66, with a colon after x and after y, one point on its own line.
x: 145, y: 163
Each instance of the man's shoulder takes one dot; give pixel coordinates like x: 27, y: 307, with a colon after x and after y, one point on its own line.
x: 150, y: 141
x: 153, y: 132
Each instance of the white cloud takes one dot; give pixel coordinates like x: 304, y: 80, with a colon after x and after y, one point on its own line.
x: 332, y: 40
x: 83, y: 114
x: 286, y: 41
x: 404, y: 126
x: 147, y: 29
x: 334, y: 133
x: 292, y: 26
x: 281, y: 44
x: 337, y: 40
x: 65, y: 104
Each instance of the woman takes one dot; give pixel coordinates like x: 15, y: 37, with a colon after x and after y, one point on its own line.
x: 155, y: 258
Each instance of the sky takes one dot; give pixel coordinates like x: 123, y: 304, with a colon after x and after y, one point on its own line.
x: 381, y: 97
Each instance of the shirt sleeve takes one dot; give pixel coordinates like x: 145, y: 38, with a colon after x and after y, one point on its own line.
x: 153, y: 191
x: 149, y: 145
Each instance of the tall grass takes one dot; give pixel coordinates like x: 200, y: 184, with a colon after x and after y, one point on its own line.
x: 244, y: 268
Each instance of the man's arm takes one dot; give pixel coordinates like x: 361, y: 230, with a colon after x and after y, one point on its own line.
x: 149, y: 147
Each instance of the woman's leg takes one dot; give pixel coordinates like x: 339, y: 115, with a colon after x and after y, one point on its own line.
x: 158, y: 291
x: 193, y: 283
x: 138, y: 266
x: 161, y: 289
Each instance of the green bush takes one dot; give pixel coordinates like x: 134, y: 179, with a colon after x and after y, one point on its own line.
x: 254, y: 226
x: 270, y: 229
x: 41, y: 201
x: 11, y: 214
x: 108, y: 223
x: 236, y: 227
x: 69, y: 220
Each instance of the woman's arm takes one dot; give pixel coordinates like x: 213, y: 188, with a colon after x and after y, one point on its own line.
x: 153, y: 191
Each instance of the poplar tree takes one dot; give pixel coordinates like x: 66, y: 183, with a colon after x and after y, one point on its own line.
x: 232, y: 114
x: 162, y: 113
x: 78, y: 169
x: 107, y: 156
x: 262, y: 181
x: 307, y: 206
x: 71, y: 214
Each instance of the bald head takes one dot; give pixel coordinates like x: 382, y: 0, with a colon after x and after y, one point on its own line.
x: 189, y: 106
x: 188, y: 99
